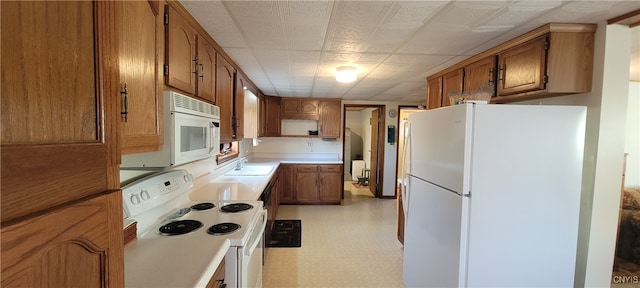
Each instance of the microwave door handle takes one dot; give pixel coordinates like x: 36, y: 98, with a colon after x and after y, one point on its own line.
x: 213, y: 126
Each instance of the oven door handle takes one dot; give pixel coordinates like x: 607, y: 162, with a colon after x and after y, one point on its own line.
x: 259, y: 238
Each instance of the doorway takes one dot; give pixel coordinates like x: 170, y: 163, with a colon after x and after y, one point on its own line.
x: 363, y: 146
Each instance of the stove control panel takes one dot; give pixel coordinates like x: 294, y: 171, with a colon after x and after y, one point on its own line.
x: 155, y: 190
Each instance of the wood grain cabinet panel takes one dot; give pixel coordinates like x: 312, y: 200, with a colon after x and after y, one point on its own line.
x: 140, y: 27
x: 206, y: 70
x: 331, y: 183
x: 225, y: 74
x: 272, y: 121
x: 307, y: 186
x: 481, y: 76
x: 60, y: 121
x: 287, y: 187
x: 79, y: 245
x: 297, y: 108
x: 451, y: 84
x: 239, y: 107
x: 329, y: 120
x: 522, y: 68
x: 180, y: 52
x: 434, y: 93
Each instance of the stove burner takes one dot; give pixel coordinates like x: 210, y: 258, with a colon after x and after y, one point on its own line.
x: 223, y: 228
x: 180, y: 227
x: 236, y: 207
x: 203, y: 206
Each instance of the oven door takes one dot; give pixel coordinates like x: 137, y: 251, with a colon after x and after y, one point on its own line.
x: 194, y: 138
x: 251, y: 260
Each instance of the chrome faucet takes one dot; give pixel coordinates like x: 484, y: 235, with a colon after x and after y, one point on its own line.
x: 240, y: 164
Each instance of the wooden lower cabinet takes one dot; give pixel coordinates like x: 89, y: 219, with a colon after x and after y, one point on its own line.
x: 287, y: 184
x: 78, y: 245
x: 311, y: 184
x: 217, y: 280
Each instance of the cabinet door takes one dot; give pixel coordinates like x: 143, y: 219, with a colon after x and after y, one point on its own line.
x: 481, y: 75
x: 290, y: 106
x: 60, y: 109
x: 238, y: 108
x: 287, y: 180
x: 272, y: 119
x: 307, y: 185
x: 262, y: 115
x: 329, y: 120
x: 74, y: 246
x: 309, y: 107
x: 331, y: 183
x: 296, y: 108
x: 434, y: 93
x: 522, y: 68
x: 206, y: 82
x: 180, y: 52
x: 224, y: 96
x: 139, y: 25
x: 452, y: 84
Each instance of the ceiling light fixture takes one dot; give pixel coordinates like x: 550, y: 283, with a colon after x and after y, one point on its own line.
x: 346, y: 74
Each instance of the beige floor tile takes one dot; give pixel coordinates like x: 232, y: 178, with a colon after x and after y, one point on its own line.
x: 348, y: 245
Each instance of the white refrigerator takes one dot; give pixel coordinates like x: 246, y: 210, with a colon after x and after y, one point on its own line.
x: 493, y: 196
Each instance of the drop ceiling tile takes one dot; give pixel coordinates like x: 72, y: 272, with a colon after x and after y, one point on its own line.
x: 214, y: 18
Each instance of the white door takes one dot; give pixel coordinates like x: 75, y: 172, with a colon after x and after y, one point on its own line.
x: 432, y: 247
x: 441, y: 146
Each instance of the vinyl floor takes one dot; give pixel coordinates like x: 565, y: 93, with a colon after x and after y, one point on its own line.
x: 349, y: 245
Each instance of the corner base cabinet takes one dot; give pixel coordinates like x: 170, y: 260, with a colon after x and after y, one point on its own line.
x: 311, y: 184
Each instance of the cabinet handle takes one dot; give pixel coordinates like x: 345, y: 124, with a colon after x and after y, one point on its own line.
x: 201, y: 72
x: 490, y: 83
x: 195, y: 65
x: 125, y: 103
x: 501, y: 71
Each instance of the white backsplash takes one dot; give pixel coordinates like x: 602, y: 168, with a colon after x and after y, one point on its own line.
x: 299, y: 145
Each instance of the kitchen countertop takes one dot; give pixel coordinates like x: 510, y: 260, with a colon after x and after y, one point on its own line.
x: 246, y: 187
x: 148, y: 262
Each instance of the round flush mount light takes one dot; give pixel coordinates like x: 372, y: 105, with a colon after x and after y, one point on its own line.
x: 346, y: 74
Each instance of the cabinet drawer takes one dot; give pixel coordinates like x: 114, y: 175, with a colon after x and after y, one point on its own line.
x: 307, y: 168
x: 331, y: 168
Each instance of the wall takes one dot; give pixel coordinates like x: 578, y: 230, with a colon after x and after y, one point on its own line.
x: 632, y: 140
x: 604, y: 149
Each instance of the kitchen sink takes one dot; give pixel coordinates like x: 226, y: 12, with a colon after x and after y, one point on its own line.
x: 251, y: 171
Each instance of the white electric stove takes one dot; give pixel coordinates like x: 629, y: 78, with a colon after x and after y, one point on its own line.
x: 168, y: 220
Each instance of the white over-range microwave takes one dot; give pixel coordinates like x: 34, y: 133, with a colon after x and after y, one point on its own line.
x: 191, y: 133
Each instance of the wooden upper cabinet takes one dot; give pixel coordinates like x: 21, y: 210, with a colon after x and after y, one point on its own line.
x: 434, y: 92
x: 79, y: 245
x: 262, y: 115
x: 60, y: 109
x: 140, y: 31
x: 60, y: 92
x: 522, y: 68
x: 451, y: 84
x: 180, y: 52
x: 272, y: 116
x: 297, y: 108
x: 481, y: 76
x: 553, y: 59
x: 206, y: 70
x: 239, y: 107
x: 224, y: 96
x: 329, y: 120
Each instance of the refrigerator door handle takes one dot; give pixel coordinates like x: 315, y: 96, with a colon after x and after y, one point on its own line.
x: 405, y: 168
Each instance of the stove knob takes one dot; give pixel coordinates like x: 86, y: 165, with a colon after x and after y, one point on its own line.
x: 135, y: 200
x: 188, y: 178
x: 144, y: 194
